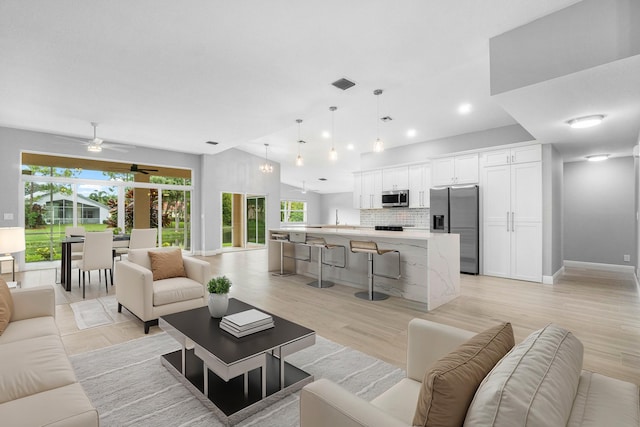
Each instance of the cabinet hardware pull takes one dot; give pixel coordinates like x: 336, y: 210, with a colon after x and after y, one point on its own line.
x: 507, y: 158
x: 513, y: 158
x: 507, y: 221
x: 513, y: 227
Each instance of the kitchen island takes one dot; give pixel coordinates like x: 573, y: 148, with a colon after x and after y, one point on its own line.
x: 429, y: 262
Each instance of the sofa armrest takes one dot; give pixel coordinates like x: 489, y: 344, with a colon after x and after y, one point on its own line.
x: 429, y: 341
x: 326, y: 404
x: 33, y: 302
x: 134, y: 288
x: 197, y: 270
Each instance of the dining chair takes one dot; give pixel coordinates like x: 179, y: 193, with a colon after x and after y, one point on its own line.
x: 97, y: 255
x: 140, y: 238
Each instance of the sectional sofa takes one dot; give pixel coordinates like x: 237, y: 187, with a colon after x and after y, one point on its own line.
x: 38, y: 386
x: 539, y: 382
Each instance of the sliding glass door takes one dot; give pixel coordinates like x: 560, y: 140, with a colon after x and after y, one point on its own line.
x: 256, y: 220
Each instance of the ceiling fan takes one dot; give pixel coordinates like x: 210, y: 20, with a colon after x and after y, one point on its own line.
x: 95, y: 145
x: 136, y: 169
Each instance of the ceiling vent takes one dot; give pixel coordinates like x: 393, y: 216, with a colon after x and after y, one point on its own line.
x: 343, y: 84
x: 386, y: 119
x: 212, y: 142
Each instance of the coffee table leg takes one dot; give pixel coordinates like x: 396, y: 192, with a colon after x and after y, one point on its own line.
x: 246, y: 384
x: 206, y: 379
x: 184, y: 362
x: 264, y: 381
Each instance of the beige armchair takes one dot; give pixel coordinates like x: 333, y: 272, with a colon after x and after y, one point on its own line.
x: 326, y: 404
x: 148, y: 299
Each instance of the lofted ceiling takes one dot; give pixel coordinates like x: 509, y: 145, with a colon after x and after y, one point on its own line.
x: 173, y: 75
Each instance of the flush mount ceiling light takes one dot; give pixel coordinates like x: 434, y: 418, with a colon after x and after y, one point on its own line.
x: 586, y: 121
x: 465, y: 108
x: 597, y: 157
x: 333, y: 154
x: 94, y: 148
x: 266, y: 167
x: 378, y: 146
x: 299, y: 159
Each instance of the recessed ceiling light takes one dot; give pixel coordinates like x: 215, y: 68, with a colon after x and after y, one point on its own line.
x: 586, y: 121
x: 351, y: 147
x: 465, y: 108
x: 597, y: 157
x: 411, y: 133
x: 326, y: 134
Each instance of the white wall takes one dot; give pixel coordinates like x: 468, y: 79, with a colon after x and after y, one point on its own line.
x: 343, y: 203
x: 233, y: 171
x: 599, y: 211
x: 552, y: 179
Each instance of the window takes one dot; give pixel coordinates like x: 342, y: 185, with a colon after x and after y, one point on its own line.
x: 293, y: 211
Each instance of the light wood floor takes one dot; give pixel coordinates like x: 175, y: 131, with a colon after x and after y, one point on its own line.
x: 601, y: 308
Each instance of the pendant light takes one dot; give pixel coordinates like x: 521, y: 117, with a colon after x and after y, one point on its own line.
x: 299, y: 159
x: 333, y: 154
x: 266, y: 167
x: 378, y: 146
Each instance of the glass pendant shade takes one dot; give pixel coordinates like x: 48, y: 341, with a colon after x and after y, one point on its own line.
x: 333, y: 154
x: 378, y: 146
x: 299, y: 160
x: 266, y: 167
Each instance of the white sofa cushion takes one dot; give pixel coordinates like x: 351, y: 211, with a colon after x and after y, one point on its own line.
x: 601, y: 399
x: 176, y: 289
x: 400, y: 400
x: 29, y: 328
x: 533, y: 385
x: 32, y: 366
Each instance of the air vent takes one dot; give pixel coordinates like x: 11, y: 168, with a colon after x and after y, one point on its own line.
x: 322, y: 179
x: 343, y: 84
x: 212, y: 142
x: 386, y: 119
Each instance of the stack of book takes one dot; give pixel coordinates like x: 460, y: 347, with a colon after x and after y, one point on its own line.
x: 246, y: 322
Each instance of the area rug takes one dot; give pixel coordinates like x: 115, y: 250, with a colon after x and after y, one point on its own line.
x: 129, y: 386
x: 98, y: 312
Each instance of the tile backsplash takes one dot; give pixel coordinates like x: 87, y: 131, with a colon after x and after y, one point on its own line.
x: 395, y: 216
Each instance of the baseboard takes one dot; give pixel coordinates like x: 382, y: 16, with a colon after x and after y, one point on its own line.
x: 600, y: 266
x: 552, y: 280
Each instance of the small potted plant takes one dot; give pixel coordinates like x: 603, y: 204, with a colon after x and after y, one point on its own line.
x: 218, y: 288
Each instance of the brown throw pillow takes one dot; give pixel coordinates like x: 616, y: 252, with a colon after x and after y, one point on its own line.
x: 6, y: 305
x: 449, y: 385
x: 167, y: 264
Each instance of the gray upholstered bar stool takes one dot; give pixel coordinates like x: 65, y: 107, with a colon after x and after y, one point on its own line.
x: 323, y: 246
x: 371, y: 249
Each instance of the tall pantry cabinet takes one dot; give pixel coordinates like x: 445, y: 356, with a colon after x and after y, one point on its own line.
x: 512, y: 213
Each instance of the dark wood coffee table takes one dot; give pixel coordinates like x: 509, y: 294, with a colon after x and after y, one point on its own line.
x: 235, y: 377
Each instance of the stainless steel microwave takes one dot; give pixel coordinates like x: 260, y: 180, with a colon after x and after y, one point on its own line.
x: 395, y: 199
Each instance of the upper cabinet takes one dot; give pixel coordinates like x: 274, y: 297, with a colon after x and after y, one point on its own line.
x: 419, y: 184
x: 357, y: 190
x: 371, y: 195
x: 507, y: 156
x: 395, y: 178
x: 461, y: 169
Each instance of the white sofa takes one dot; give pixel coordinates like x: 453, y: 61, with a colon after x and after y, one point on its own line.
x: 148, y: 299
x: 38, y: 386
x: 562, y: 395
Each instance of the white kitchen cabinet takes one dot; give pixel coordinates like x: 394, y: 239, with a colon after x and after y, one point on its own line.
x: 371, y: 189
x: 512, y: 221
x: 528, y: 153
x: 419, y: 185
x: 454, y: 170
x: 357, y: 190
x: 395, y: 178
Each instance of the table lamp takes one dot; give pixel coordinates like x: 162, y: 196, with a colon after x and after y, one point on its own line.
x: 11, y: 241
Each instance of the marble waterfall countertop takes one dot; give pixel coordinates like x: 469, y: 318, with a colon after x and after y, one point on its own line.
x: 430, y: 262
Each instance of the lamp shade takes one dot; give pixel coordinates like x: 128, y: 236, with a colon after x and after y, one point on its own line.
x: 12, y: 240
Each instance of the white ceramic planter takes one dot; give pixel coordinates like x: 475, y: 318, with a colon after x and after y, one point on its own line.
x: 218, y: 304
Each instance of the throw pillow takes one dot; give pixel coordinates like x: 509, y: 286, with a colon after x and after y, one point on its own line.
x: 534, y: 385
x: 449, y: 385
x: 6, y: 305
x: 167, y: 264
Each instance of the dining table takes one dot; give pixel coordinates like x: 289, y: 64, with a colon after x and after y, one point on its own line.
x: 65, y: 263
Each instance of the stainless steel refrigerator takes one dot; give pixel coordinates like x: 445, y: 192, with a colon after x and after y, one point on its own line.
x: 455, y: 210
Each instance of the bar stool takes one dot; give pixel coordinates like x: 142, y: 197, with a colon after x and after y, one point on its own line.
x: 371, y: 249
x: 322, y: 246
